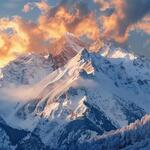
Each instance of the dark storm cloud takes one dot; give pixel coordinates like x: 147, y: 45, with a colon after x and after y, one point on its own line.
x: 134, y: 11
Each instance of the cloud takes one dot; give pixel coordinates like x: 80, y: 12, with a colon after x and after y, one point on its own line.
x: 126, y: 14
x: 103, y: 4
x: 23, y: 36
x: 28, y: 36
x: 22, y: 93
x: 80, y: 83
x: 19, y: 36
x: 42, y: 5
x: 27, y: 7
x: 143, y: 25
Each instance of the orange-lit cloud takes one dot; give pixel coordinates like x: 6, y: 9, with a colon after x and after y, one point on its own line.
x: 42, y: 5
x: 103, y: 4
x: 143, y: 25
x: 126, y: 14
x: 27, y: 7
x: 19, y: 36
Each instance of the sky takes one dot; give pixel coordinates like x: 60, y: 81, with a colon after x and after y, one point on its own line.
x: 30, y: 25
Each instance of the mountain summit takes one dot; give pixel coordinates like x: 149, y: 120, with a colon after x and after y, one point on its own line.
x: 72, y: 96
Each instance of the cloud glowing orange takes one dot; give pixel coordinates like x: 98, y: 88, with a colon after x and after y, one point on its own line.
x: 126, y: 14
x: 18, y: 36
x: 27, y: 36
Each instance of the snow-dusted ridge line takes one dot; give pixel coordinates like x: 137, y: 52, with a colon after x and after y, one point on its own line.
x: 127, y: 137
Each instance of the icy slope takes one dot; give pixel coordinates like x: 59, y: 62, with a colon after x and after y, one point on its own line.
x: 78, y: 99
x: 95, y: 98
x: 126, y: 69
x: 47, y: 91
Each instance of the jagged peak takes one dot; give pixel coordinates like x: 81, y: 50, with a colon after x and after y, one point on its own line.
x: 68, y: 42
x: 110, y: 51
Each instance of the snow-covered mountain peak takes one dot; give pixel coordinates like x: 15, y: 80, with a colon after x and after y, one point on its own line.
x: 31, y: 68
x: 68, y: 43
x: 110, y: 51
x: 65, y: 48
x: 74, y: 94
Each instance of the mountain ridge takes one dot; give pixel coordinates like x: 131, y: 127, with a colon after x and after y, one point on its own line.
x: 88, y: 95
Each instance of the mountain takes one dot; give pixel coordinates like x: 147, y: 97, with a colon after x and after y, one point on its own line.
x: 132, y: 137
x: 31, y: 68
x: 65, y: 100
